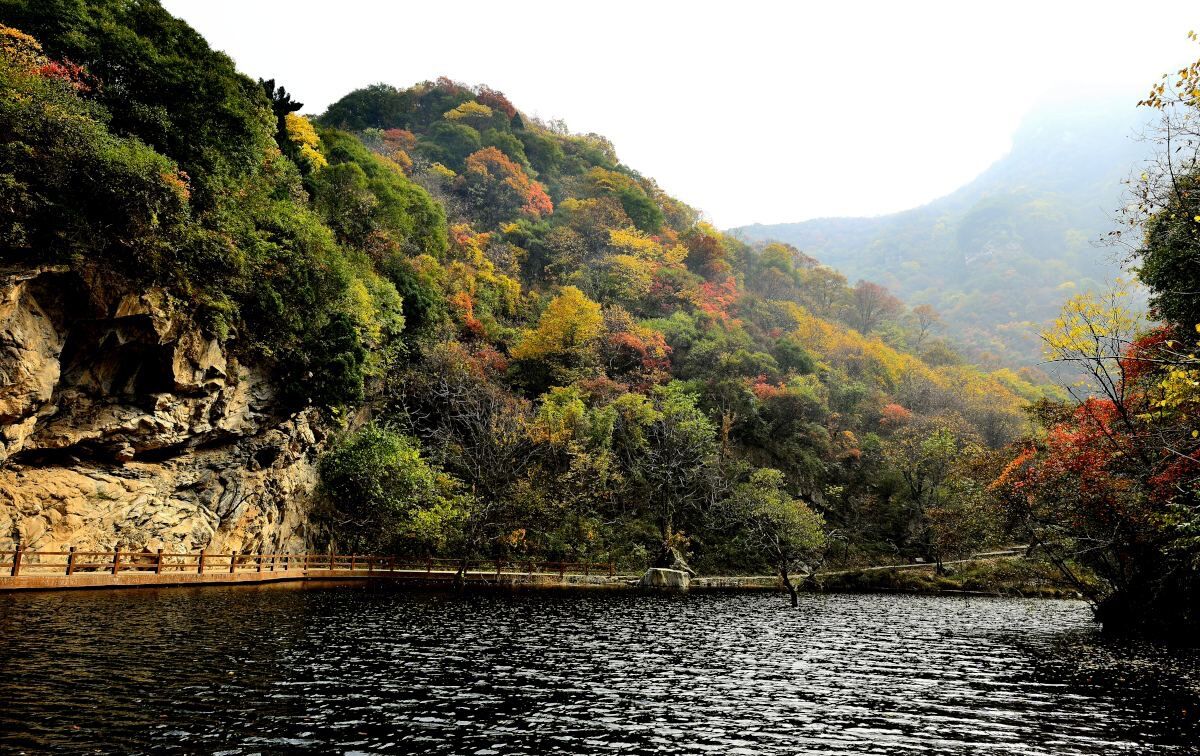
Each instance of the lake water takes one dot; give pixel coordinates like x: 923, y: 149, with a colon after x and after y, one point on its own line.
x: 269, y: 670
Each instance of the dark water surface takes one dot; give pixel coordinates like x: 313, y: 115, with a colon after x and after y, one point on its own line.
x: 350, y: 671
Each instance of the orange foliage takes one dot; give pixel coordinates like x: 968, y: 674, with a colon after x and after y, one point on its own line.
x: 401, y: 139
x: 1140, y: 358
x: 490, y: 164
x: 718, y: 299
x: 893, y: 415
x: 764, y: 390
x: 496, y: 101
x: 72, y: 73
x: 491, y: 360
x: 641, y: 350
x: 706, y: 255
x: 537, y: 202
x: 464, y: 307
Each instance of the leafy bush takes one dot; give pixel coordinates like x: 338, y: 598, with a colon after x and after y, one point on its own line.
x: 385, y: 495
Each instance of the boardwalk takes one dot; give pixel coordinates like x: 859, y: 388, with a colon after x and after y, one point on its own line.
x: 44, y: 570
x: 41, y: 570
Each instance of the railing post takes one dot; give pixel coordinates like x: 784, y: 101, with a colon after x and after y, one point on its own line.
x: 331, y: 560
x: 497, y: 570
x: 233, y: 555
x: 259, y: 560
x: 71, y: 561
x: 428, y: 565
x: 587, y: 569
x: 391, y: 564
x: 562, y: 569
x: 158, y: 562
x: 18, y: 552
x: 116, y: 560
x: 274, y: 559
x: 611, y: 568
x: 200, y: 563
x: 353, y: 561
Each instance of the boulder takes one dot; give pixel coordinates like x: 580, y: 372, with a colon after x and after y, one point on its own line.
x: 660, y: 578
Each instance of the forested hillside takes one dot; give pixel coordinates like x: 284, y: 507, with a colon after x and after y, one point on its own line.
x: 998, y: 257
x: 518, y: 344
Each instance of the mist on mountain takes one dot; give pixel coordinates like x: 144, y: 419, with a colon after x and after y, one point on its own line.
x: 998, y: 256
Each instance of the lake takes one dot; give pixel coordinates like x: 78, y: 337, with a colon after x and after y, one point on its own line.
x: 273, y: 670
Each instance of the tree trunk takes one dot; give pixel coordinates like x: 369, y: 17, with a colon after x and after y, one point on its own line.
x: 459, y: 582
x: 787, y: 583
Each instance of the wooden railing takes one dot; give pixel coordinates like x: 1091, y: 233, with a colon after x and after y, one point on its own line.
x: 71, y: 562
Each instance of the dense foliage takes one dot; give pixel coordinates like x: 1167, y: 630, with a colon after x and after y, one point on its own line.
x: 559, y: 359
x: 614, y: 378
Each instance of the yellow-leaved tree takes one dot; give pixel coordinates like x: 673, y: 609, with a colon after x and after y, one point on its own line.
x: 568, y: 330
x: 302, y: 134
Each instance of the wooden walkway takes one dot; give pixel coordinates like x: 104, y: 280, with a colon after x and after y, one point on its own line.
x: 22, y: 569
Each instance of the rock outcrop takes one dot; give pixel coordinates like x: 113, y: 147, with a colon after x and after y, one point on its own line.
x: 660, y: 578
x: 122, y: 424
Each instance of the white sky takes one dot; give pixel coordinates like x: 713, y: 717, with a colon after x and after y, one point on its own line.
x: 751, y: 111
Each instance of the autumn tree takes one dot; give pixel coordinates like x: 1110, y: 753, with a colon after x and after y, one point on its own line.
x: 706, y: 254
x: 927, y: 321
x: 870, y: 305
x: 564, y: 345
x: 304, y: 140
x: 824, y: 291
x: 470, y: 112
x: 498, y: 189
x: 1112, y: 483
x: 568, y: 330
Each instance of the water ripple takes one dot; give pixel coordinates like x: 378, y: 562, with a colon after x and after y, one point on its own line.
x: 241, y: 671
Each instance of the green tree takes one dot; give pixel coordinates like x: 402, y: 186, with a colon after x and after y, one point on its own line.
x: 925, y: 454
x: 668, y: 446
x: 783, y: 530
x: 385, y: 495
x: 74, y: 192
x: 450, y: 143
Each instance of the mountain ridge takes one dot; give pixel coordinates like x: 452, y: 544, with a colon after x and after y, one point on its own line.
x: 1022, y: 232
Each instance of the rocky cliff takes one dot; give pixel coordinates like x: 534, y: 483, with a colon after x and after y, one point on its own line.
x: 122, y: 424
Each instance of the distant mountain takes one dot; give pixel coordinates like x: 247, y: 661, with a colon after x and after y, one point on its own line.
x: 998, y: 256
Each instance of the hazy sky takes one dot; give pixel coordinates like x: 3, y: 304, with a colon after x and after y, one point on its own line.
x: 751, y: 111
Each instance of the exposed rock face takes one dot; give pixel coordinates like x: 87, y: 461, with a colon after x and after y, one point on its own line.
x: 121, y: 424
